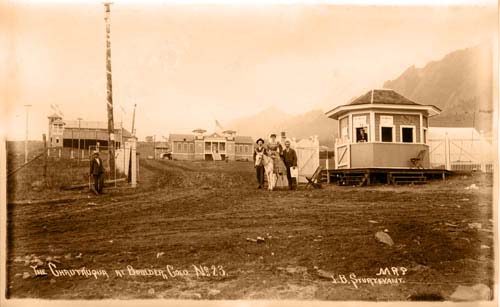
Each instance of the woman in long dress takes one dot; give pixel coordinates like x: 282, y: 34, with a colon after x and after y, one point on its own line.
x: 275, y: 150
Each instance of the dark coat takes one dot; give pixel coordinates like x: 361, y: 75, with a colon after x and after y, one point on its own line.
x: 96, y: 168
x: 289, y: 157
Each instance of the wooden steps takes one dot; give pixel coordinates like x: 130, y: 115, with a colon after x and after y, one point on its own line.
x: 323, y: 177
x: 354, y: 179
x: 406, y: 178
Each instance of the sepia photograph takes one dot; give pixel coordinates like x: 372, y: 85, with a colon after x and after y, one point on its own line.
x: 249, y: 152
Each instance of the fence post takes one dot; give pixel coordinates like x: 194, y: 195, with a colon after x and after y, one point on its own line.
x: 133, y: 161
x: 447, y: 152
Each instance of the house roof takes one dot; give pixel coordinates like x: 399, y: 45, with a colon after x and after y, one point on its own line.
x: 243, y: 139
x: 93, y: 134
x: 92, y: 131
x: 214, y: 135
x: 90, y: 124
x: 383, y: 99
x: 190, y: 138
x: 181, y: 137
x: 55, y: 115
x: 382, y: 96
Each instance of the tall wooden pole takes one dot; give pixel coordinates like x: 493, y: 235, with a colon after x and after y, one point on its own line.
x: 133, y: 121
x: 109, y: 93
x: 27, y: 134
x: 79, y: 131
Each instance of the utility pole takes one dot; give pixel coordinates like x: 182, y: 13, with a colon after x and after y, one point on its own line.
x: 133, y: 121
x: 109, y: 92
x: 79, y: 131
x: 27, y: 134
x: 154, y: 146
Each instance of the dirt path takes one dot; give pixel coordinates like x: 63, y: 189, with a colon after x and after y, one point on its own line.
x: 201, y: 214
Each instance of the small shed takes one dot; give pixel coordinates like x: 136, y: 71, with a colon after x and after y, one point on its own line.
x: 381, y: 129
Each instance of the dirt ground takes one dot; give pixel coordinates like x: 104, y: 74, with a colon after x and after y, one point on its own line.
x: 190, y: 231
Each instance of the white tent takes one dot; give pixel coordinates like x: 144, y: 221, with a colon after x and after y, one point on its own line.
x: 458, y: 147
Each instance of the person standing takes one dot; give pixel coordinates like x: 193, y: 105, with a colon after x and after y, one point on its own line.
x: 259, y: 169
x: 97, y: 171
x: 289, y: 157
x: 275, y: 150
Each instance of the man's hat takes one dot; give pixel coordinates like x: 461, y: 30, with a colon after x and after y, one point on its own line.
x: 257, y: 142
x: 273, y: 135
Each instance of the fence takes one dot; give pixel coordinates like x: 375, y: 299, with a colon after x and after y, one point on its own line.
x: 461, y: 154
x: 307, y: 157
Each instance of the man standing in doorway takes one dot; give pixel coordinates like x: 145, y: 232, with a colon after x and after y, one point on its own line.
x: 97, y: 171
x: 290, y: 159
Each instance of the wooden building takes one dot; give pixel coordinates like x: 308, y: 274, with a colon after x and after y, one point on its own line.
x: 381, y: 129
x: 82, y: 134
x: 215, y: 146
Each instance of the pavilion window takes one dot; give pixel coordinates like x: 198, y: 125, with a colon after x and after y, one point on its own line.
x: 361, y: 134
x: 407, y: 135
x: 386, y: 134
x: 179, y: 147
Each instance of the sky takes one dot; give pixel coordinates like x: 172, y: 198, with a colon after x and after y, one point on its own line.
x: 185, y: 66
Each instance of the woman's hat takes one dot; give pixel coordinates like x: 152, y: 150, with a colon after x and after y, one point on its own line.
x: 259, y: 140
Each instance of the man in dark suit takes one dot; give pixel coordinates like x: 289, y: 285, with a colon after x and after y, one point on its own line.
x: 289, y: 157
x: 260, y: 149
x: 97, y: 171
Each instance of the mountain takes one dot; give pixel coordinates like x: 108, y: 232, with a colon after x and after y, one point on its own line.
x: 460, y: 85
x: 300, y: 126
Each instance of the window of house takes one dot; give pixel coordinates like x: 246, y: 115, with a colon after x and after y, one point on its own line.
x: 344, y: 129
x: 361, y: 134
x: 57, y: 140
x: 241, y: 149
x: 191, y: 147
x: 246, y: 149
x: 386, y: 134
x: 222, y: 146
x: 407, y: 134
x: 185, y: 147
x: 425, y: 136
x: 179, y: 147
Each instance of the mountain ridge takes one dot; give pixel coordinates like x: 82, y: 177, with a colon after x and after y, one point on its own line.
x: 460, y: 84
